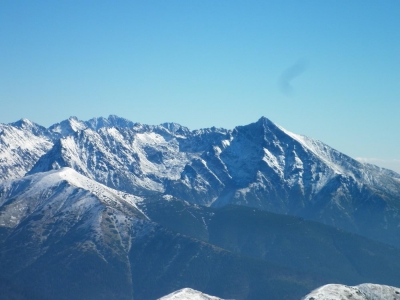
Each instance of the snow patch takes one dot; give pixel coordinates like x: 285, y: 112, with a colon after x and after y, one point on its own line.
x: 188, y: 294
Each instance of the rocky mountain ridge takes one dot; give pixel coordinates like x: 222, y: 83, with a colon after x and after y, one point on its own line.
x: 112, y: 209
x: 260, y: 165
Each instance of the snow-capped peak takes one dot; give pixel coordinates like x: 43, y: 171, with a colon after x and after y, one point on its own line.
x: 366, y: 291
x: 175, y: 128
x: 38, y: 190
x: 188, y: 294
x: 22, y: 123
x: 67, y: 127
x: 111, y: 121
x: 22, y: 143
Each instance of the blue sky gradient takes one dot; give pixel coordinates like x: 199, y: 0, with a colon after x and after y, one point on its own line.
x: 326, y: 69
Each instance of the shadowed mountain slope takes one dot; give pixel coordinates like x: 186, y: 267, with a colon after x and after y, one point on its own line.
x: 311, y: 247
x: 64, y: 236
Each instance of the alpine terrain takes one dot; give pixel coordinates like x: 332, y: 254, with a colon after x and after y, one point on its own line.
x: 186, y: 294
x: 112, y: 209
x: 365, y: 291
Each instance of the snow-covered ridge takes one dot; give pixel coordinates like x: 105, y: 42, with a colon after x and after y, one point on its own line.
x: 366, y: 291
x: 118, y: 157
x: 54, y: 189
x: 42, y: 181
x: 21, y: 144
x: 316, y: 147
x: 188, y: 294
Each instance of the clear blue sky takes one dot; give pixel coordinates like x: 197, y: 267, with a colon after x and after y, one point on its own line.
x: 327, y: 69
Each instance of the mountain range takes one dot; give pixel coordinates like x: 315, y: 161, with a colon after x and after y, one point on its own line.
x: 112, y: 209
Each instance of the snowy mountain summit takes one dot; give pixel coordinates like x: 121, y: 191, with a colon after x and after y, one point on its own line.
x: 188, y: 294
x: 366, y: 291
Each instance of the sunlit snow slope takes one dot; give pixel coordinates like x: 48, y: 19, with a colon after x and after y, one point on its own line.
x: 56, y: 202
x: 188, y: 294
x: 365, y: 291
x: 21, y: 144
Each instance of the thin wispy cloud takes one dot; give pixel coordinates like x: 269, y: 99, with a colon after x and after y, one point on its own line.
x: 294, y: 71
